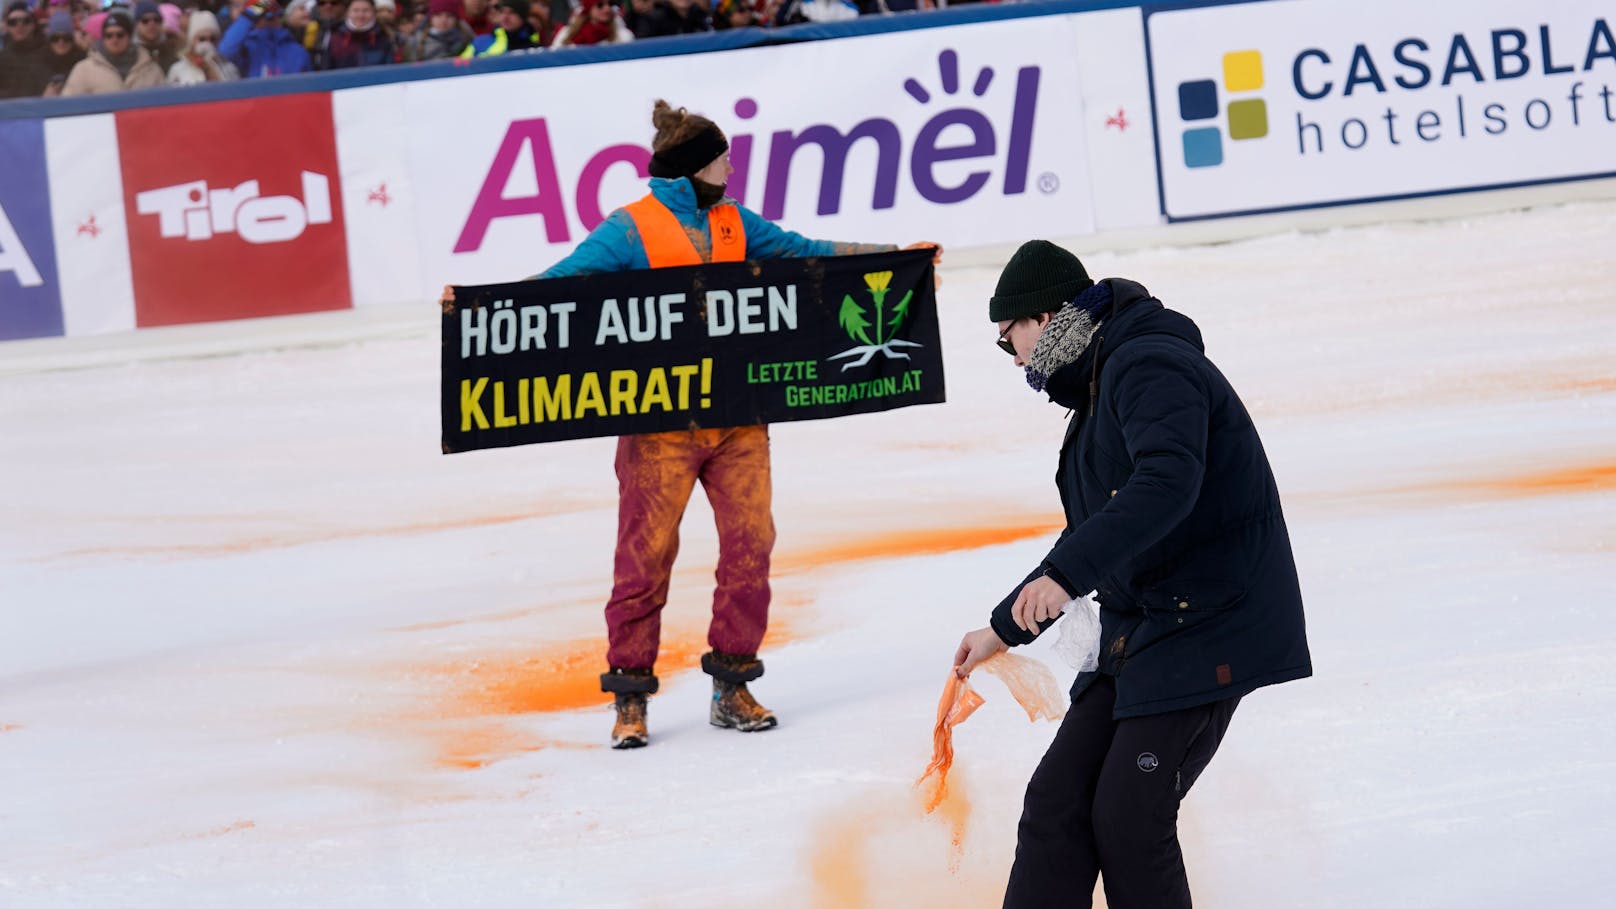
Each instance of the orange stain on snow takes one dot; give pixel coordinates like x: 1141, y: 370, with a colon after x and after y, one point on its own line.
x: 9, y: 727
x: 565, y: 675
x: 1588, y: 478
x: 310, y: 536
x: 904, y: 543
x: 1582, y: 478
x: 223, y: 831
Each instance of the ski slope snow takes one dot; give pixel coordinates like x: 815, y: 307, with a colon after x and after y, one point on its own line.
x: 261, y: 645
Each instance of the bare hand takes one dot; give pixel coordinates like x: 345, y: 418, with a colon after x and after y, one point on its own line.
x: 975, y: 647
x: 1038, y: 602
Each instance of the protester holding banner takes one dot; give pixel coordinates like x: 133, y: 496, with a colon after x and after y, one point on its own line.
x: 1173, y: 520
x: 687, y: 220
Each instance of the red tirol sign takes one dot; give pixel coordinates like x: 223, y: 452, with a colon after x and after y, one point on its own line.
x: 234, y: 209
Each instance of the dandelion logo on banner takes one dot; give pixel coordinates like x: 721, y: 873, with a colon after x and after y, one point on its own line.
x: 856, y: 321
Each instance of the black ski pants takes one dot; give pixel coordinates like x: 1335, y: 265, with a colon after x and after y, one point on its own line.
x: 1104, y: 803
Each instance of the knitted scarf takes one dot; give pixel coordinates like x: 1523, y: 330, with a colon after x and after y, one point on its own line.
x: 1068, y: 334
x: 123, y: 62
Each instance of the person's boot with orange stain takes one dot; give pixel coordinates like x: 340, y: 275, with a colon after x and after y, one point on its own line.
x: 630, y: 730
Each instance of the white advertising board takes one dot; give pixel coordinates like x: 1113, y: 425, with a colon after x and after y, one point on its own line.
x: 87, y: 214
x: 964, y: 135
x: 1266, y: 106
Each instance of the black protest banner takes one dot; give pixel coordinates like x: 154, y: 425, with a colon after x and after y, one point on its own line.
x: 707, y: 346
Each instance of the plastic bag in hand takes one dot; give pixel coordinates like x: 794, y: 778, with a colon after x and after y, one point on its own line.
x: 1079, y: 642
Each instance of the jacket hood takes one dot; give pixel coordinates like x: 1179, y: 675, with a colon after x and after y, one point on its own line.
x: 1134, y: 313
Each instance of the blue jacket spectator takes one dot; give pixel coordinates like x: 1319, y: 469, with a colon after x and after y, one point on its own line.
x: 258, y: 45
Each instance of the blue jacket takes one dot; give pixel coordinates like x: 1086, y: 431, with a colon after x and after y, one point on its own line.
x: 1173, y: 520
x: 616, y: 246
x: 262, y: 51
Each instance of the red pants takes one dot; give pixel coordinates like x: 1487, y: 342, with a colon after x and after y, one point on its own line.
x: 655, y: 475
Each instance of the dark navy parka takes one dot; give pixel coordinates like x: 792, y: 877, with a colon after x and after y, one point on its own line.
x: 1172, y: 520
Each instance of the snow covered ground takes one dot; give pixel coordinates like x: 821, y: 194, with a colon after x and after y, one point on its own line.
x: 261, y: 645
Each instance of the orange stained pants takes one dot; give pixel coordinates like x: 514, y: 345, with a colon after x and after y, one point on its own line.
x: 656, y: 473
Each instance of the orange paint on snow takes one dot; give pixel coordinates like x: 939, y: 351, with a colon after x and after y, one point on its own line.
x: 1583, y: 478
x: 1587, y: 478
x: 469, y: 748
x: 311, y: 537
x: 1602, y: 384
x: 911, y: 543
x: 223, y: 831
x: 564, y: 675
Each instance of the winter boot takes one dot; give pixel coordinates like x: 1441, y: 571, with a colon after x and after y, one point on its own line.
x: 629, y: 730
x: 631, y: 687
x: 733, y: 706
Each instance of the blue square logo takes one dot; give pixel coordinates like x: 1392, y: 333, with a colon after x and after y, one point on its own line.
x: 1203, y: 147
x: 1198, y: 100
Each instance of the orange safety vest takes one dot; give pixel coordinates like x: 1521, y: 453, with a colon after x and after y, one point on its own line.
x: 666, y: 243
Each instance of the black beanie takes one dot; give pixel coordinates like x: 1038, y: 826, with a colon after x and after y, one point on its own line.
x: 1041, y: 277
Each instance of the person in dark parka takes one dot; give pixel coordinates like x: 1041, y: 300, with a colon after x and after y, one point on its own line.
x: 1173, y: 521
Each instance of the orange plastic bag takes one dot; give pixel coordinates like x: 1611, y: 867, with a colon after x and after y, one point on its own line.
x: 1030, y: 683
x: 958, y: 703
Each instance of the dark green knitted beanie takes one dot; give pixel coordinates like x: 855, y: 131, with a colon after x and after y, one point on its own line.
x: 1039, y: 278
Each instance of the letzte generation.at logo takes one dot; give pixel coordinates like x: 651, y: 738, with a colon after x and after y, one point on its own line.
x: 1210, y: 111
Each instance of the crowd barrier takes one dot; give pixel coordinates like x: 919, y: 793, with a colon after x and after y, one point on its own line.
x: 978, y: 126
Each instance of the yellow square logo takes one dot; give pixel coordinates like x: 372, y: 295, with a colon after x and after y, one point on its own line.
x: 1242, y: 71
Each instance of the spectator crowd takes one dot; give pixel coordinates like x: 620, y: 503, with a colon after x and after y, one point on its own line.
x: 74, y: 47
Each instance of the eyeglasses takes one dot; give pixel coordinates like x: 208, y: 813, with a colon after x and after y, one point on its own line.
x: 61, y: 39
x: 16, y: 21
x: 113, y: 36
x: 1004, y: 340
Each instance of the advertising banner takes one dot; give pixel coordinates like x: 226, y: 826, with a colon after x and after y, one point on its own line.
x: 1273, y: 105
x: 30, y: 297
x: 705, y: 346
x: 962, y: 135
x: 92, y: 240
x: 248, y: 222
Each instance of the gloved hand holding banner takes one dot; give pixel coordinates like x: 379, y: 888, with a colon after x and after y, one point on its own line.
x: 704, y: 346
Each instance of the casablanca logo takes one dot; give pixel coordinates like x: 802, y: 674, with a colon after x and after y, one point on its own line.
x: 853, y: 321
x: 1198, y: 102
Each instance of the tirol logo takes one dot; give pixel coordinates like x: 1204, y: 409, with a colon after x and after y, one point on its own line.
x: 972, y: 136
x: 251, y: 224
x: 1198, y: 102
x: 195, y: 212
x: 854, y: 321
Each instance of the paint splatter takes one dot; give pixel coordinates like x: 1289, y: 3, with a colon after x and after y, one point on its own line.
x: 932, y: 541
x: 307, y: 537
x: 222, y: 831
x: 1572, y: 480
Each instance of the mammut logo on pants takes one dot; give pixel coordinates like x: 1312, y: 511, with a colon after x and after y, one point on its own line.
x: 1148, y: 763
